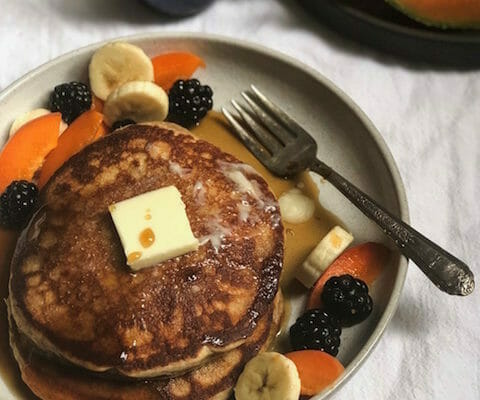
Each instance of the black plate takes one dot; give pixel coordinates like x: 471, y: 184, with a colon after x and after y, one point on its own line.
x: 375, y: 23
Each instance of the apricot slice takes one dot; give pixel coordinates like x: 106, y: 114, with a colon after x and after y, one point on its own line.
x: 101, y: 131
x: 25, y: 152
x: 365, y: 261
x: 170, y: 67
x: 317, y: 370
x: 81, y: 132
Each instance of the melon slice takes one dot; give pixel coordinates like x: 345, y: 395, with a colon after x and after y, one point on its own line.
x: 442, y: 13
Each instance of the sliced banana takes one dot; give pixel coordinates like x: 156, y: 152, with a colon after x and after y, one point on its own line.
x: 295, y: 207
x: 268, y: 376
x: 327, y: 250
x: 115, y: 64
x: 140, y: 101
x: 27, y: 117
x: 63, y: 126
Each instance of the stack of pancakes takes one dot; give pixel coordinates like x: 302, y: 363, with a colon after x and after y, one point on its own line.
x: 84, y: 326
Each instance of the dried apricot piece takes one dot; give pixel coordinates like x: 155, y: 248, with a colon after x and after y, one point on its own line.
x: 170, y: 67
x: 80, y: 133
x: 25, y: 152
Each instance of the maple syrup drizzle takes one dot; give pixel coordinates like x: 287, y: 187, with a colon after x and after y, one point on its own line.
x: 147, y: 238
x: 133, y: 256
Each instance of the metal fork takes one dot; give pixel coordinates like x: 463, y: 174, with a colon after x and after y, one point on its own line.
x: 286, y: 149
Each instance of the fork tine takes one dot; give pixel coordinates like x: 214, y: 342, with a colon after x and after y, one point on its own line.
x: 258, y: 151
x: 275, y: 128
x: 263, y: 136
x: 279, y: 113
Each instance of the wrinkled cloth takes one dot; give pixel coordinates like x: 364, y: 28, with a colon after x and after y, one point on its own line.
x: 429, y: 117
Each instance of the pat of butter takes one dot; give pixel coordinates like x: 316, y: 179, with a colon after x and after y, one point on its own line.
x: 153, y: 227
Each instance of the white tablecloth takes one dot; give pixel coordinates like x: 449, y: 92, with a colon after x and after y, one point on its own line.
x: 430, y: 119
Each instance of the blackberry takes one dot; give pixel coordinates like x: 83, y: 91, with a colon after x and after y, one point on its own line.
x: 121, y: 123
x: 71, y: 99
x: 316, y: 330
x: 189, y: 102
x: 17, y: 204
x: 347, y: 299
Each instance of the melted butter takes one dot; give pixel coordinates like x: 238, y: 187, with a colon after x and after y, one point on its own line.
x: 177, y: 169
x: 216, y: 235
x: 133, y: 256
x: 146, y: 238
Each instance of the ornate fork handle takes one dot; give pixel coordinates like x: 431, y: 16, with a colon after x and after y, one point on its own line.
x: 446, y: 271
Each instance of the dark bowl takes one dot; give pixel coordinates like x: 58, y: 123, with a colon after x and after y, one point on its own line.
x: 376, y: 24
x: 179, y: 8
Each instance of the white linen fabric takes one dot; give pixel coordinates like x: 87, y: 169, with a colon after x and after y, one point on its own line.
x: 429, y: 117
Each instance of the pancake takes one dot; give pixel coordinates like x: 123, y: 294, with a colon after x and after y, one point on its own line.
x: 73, y: 295
x: 214, y: 380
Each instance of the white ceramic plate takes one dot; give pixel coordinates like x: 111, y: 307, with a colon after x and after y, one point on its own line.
x: 347, y: 141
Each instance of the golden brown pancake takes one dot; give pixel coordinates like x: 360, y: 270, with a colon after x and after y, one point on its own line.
x: 73, y: 295
x: 214, y: 380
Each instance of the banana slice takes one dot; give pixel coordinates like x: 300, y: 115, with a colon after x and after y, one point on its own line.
x: 327, y: 250
x: 63, y: 127
x: 115, y: 64
x: 268, y: 376
x: 295, y: 207
x: 27, y: 117
x: 140, y: 101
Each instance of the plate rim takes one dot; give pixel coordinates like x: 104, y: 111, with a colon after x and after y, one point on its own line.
x: 376, y: 136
